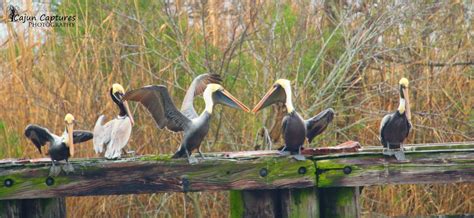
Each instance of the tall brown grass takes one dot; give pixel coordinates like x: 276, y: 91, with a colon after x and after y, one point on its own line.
x: 343, y: 55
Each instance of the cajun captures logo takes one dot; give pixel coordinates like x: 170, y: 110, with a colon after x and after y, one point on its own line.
x: 41, y: 19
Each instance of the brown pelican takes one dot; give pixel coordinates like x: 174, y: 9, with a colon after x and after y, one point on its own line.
x: 158, y: 102
x: 294, y: 128
x: 196, y: 88
x: 115, y: 133
x: 60, y: 147
x: 396, y: 126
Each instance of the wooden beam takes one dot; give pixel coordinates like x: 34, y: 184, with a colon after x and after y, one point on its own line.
x: 435, y: 163
x: 152, y: 174
x: 421, y: 167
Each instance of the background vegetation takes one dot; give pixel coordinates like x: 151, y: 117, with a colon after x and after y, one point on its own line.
x: 348, y: 55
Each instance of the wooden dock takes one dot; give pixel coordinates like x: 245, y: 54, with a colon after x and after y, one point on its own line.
x: 261, y: 183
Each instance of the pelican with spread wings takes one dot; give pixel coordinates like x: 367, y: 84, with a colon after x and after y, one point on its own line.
x: 294, y: 128
x: 115, y: 133
x: 195, y: 127
x: 60, y: 147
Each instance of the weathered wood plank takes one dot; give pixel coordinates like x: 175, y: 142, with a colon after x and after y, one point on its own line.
x: 426, y: 147
x: 154, y: 174
x: 436, y: 163
x: 442, y: 166
x: 346, y: 147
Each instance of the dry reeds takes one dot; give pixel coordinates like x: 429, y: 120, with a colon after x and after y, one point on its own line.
x: 348, y: 56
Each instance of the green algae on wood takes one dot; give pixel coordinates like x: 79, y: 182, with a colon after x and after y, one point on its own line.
x: 339, y: 202
x: 236, y: 202
x: 377, y: 169
x: 298, y: 202
x: 156, y: 174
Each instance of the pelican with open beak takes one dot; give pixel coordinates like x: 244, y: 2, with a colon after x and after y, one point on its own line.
x: 396, y: 126
x: 115, y: 133
x: 60, y: 147
x: 294, y: 128
x: 158, y: 102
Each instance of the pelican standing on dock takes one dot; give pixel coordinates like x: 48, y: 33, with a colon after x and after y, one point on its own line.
x: 396, y: 126
x: 60, y: 147
x: 115, y: 133
x: 158, y: 102
x: 294, y: 128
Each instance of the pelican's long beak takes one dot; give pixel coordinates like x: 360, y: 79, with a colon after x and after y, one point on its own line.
x: 70, y: 138
x: 407, y: 103
x: 265, y: 100
x: 127, y: 108
x: 224, y: 97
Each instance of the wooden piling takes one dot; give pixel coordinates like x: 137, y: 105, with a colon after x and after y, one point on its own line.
x: 33, y: 208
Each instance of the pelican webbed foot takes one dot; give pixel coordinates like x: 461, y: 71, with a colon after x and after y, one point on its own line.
x: 192, y: 160
x: 283, y: 152
x: 201, y: 154
x: 399, y: 153
x: 68, y: 168
x: 388, y: 152
x: 299, y: 156
x: 54, y: 170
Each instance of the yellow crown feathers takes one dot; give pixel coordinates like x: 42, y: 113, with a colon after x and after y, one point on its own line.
x: 69, y: 118
x: 404, y: 82
x: 117, y: 88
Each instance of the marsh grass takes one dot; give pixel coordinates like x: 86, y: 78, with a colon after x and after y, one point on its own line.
x: 346, y: 56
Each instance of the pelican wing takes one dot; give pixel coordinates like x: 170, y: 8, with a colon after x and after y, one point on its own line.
x: 196, y: 88
x: 121, y: 128
x: 385, y: 120
x: 317, y: 124
x: 101, y: 134
x: 158, y: 102
x: 79, y: 136
x: 38, y: 135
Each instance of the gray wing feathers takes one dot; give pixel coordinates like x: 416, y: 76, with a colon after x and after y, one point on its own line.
x: 39, y: 135
x: 158, y: 102
x: 317, y: 124
x: 196, y: 88
x: 80, y: 136
x: 383, y: 123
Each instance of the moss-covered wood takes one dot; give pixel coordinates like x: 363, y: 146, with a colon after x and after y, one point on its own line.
x: 446, y: 166
x: 339, y: 202
x: 297, y: 202
x: 154, y: 174
x: 435, y: 163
